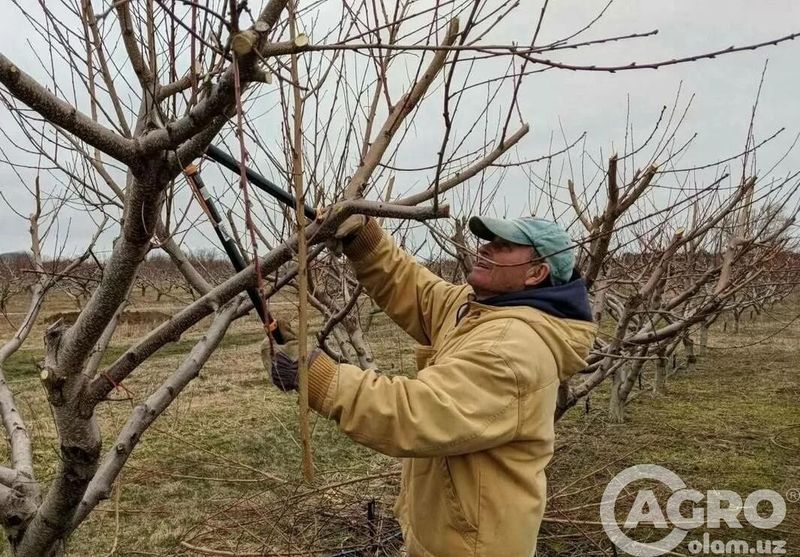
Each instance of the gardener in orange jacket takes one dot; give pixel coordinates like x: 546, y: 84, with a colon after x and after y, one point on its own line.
x: 475, y: 426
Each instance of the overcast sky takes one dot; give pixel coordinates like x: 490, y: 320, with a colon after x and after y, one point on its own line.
x: 596, y: 103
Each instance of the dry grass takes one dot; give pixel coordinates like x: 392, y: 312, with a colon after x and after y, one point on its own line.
x: 221, y: 469
x: 733, y: 424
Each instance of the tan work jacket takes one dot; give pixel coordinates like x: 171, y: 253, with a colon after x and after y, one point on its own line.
x: 475, y: 426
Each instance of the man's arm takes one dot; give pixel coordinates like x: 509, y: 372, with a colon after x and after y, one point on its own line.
x: 462, y: 404
x: 414, y: 297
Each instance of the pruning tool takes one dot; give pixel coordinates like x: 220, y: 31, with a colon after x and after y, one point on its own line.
x: 209, y: 207
x: 218, y: 155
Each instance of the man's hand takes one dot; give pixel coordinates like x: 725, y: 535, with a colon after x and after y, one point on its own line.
x: 346, y: 231
x: 283, y: 363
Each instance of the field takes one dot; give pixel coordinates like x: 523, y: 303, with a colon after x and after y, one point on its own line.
x: 218, y: 474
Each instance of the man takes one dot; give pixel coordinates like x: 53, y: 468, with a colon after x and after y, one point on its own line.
x: 476, y: 424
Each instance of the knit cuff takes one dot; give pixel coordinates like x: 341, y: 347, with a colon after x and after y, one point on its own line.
x: 365, y: 241
x: 321, y: 372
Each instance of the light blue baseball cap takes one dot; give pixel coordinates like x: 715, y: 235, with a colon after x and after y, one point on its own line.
x: 550, y: 241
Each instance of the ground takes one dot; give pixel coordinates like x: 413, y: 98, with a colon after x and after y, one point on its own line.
x: 219, y: 473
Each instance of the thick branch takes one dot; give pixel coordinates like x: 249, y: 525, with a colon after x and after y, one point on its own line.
x: 21, y: 453
x: 130, y: 249
x: 580, y: 212
x: 604, y: 231
x: 146, y: 413
x: 637, y: 189
x: 56, y: 111
x: 146, y: 78
x: 16, y: 510
x: 222, y: 95
x: 192, y: 275
x: 171, y: 330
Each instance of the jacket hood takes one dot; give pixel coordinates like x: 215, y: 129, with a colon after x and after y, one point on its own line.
x: 562, y: 320
x: 566, y: 301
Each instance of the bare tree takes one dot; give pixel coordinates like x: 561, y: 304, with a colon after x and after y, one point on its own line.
x: 661, y: 272
x: 120, y: 126
x: 20, y: 493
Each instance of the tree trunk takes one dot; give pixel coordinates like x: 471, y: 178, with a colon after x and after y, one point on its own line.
x: 688, y: 347
x: 703, y: 340
x: 343, y: 343
x: 80, y: 445
x: 563, y: 393
x: 365, y: 358
x: 57, y: 551
x: 616, y: 404
x: 373, y: 310
x: 562, y: 399
x: 660, y: 383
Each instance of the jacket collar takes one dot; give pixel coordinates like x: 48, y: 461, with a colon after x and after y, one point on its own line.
x: 565, y: 301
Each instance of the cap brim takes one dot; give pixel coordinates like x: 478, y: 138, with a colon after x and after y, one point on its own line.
x: 488, y: 228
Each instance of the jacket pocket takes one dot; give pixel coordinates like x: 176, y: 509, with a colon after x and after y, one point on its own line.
x: 436, y: 517
x: 424, y: 356
x: 455, y: 501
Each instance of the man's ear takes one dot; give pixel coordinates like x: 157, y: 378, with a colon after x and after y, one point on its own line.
x: 537, y: 274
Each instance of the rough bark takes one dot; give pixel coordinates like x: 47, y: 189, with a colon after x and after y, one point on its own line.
x: 702, y: 341
x: 366, y: 360
x: 660, y: 381
x: 688, y: 348
x: 616, y: 402
x: 147, y: 412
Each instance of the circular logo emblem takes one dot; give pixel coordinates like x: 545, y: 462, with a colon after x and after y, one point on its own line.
x: 609, y: 519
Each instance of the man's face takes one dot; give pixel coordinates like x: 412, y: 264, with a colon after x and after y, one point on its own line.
x: 502, y: 266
